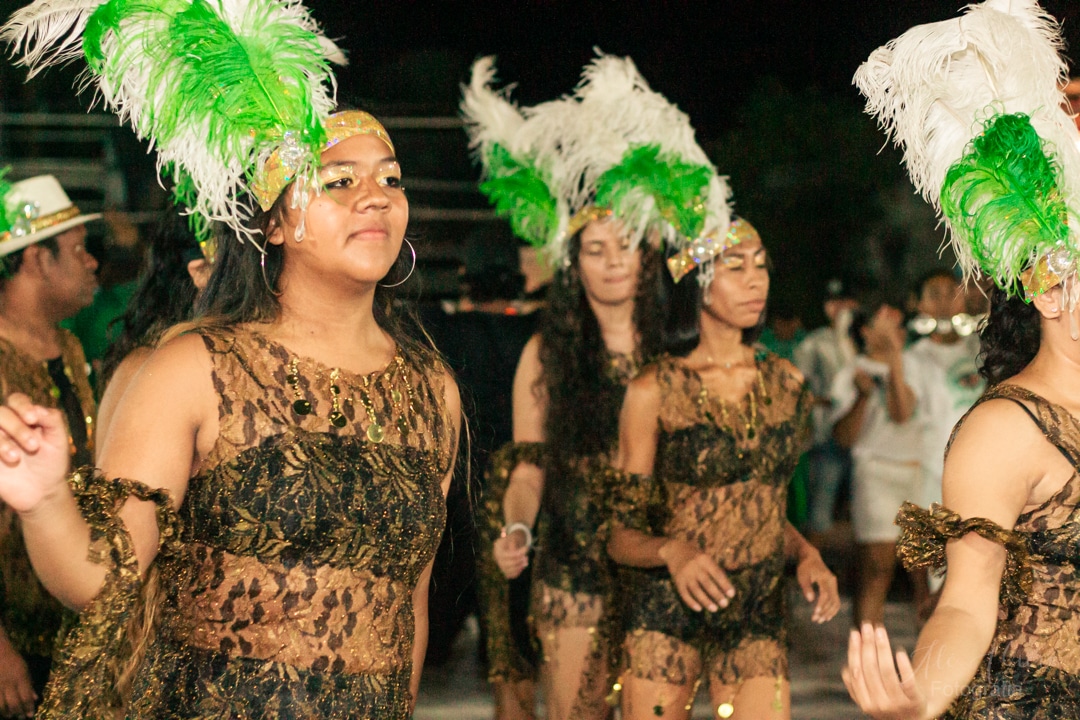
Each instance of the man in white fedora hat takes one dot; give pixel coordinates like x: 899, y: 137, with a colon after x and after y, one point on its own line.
x: 46, y: 275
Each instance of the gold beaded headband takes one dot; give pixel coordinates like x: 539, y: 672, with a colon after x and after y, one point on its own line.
x: 281, y: 167
x: 704, y: 249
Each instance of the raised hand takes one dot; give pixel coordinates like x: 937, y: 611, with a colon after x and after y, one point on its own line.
x: 34, y: 453
x: 881, y: 689
x: 700, y: 581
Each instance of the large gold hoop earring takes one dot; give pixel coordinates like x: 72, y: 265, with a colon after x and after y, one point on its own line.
x: 411, y: 269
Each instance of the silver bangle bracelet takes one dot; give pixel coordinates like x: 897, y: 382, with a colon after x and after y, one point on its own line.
x: 515, y: 527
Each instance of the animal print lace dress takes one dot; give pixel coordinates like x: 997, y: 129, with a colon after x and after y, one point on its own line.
x: 285, y: 581
x: 1032, y: 669
x: 720, y: 482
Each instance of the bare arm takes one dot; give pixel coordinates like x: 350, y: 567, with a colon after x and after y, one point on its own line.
x: 847, y: 428
x: 521, y: 502
x: 899, y: 397
x: 420, y: 594
x: 639, y: 423
x: 987, y: 474
x: 168, y: 411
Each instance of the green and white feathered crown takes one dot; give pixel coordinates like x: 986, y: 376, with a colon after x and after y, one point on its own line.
x: 216, y: 86
x: 977, y: 106
x: 613, y: 146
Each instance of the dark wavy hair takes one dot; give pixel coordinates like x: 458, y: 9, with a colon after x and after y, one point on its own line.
x: 1010, y: 339
x: 583, y: 399
x: 165, y: 295
x: 686, y: 302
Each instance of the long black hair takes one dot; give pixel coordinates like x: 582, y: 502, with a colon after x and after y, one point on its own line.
x: 1010, y: 339
x: 165, y: 295
x: 686, y: 302
x: 576, y: 364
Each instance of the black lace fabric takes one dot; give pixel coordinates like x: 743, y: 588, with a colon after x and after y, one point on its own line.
x: 720, y: 483
x: 1032, y: 669
x: 287, y: 592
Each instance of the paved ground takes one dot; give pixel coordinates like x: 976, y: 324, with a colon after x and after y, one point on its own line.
x: 458, y: 690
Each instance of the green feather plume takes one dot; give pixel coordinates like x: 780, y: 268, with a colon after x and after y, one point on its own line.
x: 519, y: 191
x: 216, y: 86
x: 677, y: 187
x: 1002, y: 199
x: 5, y: 190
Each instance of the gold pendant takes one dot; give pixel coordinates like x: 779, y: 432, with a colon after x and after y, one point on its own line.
x: 725, y: 710
x: 375, y: 433
x: 395, y: 396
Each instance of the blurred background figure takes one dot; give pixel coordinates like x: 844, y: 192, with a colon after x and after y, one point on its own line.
x: 946, y: 381
x: 481, y: 335
x: 820, y: 356
x: 46, y: 276
x: 875, y: 409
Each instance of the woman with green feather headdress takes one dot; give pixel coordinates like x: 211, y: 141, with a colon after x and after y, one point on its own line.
x: 256, y: 539
x: 600, y: 180
x: 976, y: 104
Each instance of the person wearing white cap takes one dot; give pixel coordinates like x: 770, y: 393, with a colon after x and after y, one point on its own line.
x: 46, y: 276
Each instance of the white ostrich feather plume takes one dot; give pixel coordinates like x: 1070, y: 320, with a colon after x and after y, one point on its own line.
x: 933, y: 88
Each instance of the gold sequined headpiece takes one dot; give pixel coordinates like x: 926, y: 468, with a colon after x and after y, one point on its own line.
x: 704, y: 249
x: 281, y: 167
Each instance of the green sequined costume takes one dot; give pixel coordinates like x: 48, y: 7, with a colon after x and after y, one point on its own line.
x: 1032, y: 668
x: 284, y: 583
x: 720, y: 482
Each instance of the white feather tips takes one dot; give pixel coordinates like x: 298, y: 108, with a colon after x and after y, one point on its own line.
x: 48, y: 32
x: 934, y: 87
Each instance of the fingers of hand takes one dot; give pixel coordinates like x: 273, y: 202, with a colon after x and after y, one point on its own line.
x: 853, y: 673
x: 17, y: 431
x: 871, y: 664
x: 889, y: 679
x: 828, y: 599
x: 907, y: 676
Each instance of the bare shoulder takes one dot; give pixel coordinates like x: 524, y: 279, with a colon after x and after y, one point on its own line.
x: 183, y: 355
x: 788, y: 369
x: 530, y: 356
x: 121, y: 378
x: 644, y: 390
x: 993, y: 463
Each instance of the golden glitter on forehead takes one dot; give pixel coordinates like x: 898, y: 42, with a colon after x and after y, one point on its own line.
x: 276, y: 173
x: 703, y: 249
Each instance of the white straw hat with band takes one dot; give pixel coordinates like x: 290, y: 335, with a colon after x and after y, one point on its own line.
x: 35, y: 209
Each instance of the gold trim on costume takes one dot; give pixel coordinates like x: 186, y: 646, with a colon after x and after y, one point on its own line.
x: 276, y: 173
x: 706, y: 248
x: 584, y: 216
x: 38, y: 224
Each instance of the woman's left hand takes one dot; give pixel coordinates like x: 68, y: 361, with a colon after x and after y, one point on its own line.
x: 818, y: 582
x: 882, y: 690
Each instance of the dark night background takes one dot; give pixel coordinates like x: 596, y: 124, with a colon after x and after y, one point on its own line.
x: 767, y: 84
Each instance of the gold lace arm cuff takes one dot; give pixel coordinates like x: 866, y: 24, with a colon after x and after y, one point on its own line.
x: 925, y: 533
x: 86, y: 674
